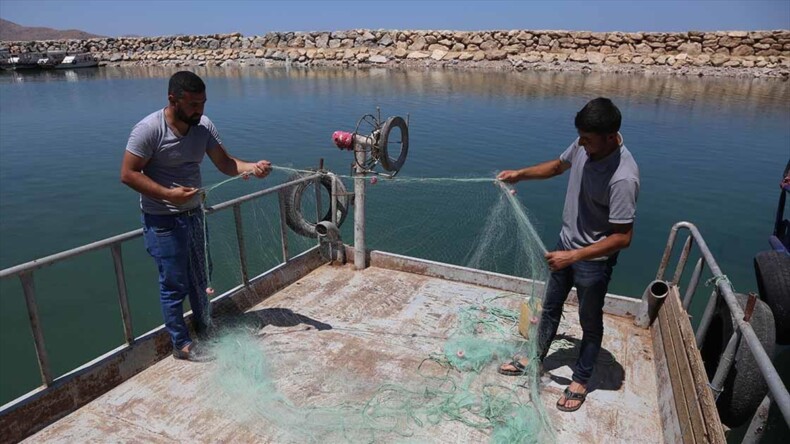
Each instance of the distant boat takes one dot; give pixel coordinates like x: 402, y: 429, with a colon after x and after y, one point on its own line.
x: 27, y: 60
x: 74, y: 61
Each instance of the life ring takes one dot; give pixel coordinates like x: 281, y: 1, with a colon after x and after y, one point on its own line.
x: 772, y: 270
x: 744, y: 388
x: 388, y: 163
x: 293, y: 203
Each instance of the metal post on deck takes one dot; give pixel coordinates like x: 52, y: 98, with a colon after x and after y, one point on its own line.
x: 652, y: 300
x: 360, y: 155
x: 707, y: 317
x: 318, y: 215
x: 757, y: 427
x: 684, y: 256
x: 240, y: 239
x: 283, y: 227
x: 693, y: 283
x: 123, y: 300
x: 35, y: 326
x: 728, y: 357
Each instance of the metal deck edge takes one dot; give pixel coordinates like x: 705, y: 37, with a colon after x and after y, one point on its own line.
x: 614, y: 305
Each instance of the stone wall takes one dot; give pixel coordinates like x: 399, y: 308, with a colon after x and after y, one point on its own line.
x: 731, y: 51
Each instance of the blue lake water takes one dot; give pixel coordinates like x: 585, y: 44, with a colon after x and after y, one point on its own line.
x: 710, y: 151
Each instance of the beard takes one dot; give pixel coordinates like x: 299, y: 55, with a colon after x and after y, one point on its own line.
x: 192, y: 120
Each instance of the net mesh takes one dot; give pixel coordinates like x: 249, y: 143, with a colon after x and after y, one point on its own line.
x: 475, y: 222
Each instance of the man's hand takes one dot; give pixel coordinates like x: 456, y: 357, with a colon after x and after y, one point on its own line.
x: 560, y: 259
x: 508, y: 176
x: 260, y: 169
x: 181, y: 195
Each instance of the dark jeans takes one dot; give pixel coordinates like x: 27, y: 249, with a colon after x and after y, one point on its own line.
x: 591, y: 279
x: 176, y: 243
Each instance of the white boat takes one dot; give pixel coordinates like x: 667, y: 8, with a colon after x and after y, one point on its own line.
x: 73, y: 61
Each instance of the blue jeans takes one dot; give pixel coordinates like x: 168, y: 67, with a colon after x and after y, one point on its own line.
x: 176, y: 243
x: 591, y: 279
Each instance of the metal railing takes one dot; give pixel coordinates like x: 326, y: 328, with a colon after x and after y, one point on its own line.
x: 743, y: 330
x: 25, y: 271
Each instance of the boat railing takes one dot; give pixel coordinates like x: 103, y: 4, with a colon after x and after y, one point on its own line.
x: 25, y: 272
x: 743, y: 331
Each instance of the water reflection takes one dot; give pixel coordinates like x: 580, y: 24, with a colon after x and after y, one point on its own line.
x: 725, y: 93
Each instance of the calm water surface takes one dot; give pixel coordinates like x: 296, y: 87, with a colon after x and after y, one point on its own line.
x: 710, y: 151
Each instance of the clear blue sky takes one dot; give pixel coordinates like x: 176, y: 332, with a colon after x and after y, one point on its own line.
x: 113, y: 18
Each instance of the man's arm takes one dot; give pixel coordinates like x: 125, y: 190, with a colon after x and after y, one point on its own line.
x: 543, y: 170
x: 232, y: 166
x: 620, y: 239
x: 132, y: 176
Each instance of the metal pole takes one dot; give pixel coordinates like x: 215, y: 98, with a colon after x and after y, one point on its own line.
x: 283, y: 227
x: 318, y: 215
x: 120, y: 280
x: 725, y: 364
x: 662, y: 267
x: 693, y: 283
x: 240, y: 239
x: 684, y: 256
x: 757, y: 427
x: 35, y: 326
x: 707, y: 317
x: 359, y: 208
x: 654, y: 297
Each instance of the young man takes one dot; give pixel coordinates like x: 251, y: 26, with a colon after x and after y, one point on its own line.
x: 597, y: 222
x: 162, y: 163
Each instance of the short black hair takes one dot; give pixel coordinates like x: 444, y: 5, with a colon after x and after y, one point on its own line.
x: 599, y: 116
x: 185, y: 81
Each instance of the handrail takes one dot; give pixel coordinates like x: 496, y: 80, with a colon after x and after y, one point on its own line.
x: 778, y: 391
x: 25, y: 270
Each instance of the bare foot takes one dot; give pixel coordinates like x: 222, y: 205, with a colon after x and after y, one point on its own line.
x: 575, y: 387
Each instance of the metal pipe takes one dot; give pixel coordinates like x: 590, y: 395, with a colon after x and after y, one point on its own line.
x: 757, y: 427
x: 123, y: 300
x: 52, y: 259
x: 274, y: 189
x: 779, y: 392
x: 654, y: 297
x: 693, y: 283
x: 684, y: 256
x: 245, y: 277
x: 35, y: 325
x: 360, y: 155
x: 725, y: 364
x: 283, y: 228
x: 662, y: 267
x: 104, y: 243
x: 333, y: 199
x: 318, y: 215
x: 707, y: 317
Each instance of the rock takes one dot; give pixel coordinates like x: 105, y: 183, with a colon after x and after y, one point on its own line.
x: 643, y: 48
x: 690, y: 48
x: 378, y: 59
x: 458, y: 47
x: 489, y: 45
x: 340, y: 35
x: 701, y: 60
x: 729, y: 42
x: 438, y: 47
x: 438, y: 54
x: 417, y: 55
x: 625, y: 49
x: 229, y: 63
x: 117, y: 57
x: 648, y: 61
x: 465, y: 56
x: 612, y: 59
x: 626, y: 58
x: 418, y: 44
x: 334, y: 43
x: 476, y: 40
x: 401, y: 53
x: 533, y: 58
x: 548, y: 57
x: 278, y: 55
x: 747, y: 63
x: 362, y: 56
x: 732, y: 63
x: 496, y: 54
x: 386, y: 40
x: 595, y: 57
x: 562, y: 57
x: 479, y: 56
x: 578, y: 57
x: 662, y: 59
x: 367, y: 37
x: 322, y: 41
x: 259, y: 53
x: 740, y: 34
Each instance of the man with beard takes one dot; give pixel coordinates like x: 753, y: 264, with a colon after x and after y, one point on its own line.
x: 162, y: 163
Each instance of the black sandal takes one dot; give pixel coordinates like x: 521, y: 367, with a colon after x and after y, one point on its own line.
x: 571, y: 396
x: 520, y: 368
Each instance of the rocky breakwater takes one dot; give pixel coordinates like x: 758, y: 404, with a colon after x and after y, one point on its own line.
x: 729, y: 53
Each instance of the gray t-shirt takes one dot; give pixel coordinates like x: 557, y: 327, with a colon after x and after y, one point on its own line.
x: 173, y: 160
x: 600, y: 193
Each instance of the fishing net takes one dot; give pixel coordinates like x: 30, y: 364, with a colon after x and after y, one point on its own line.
x: 475, y: 222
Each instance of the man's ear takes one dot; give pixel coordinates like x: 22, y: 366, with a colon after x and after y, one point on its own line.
x: 171, y: 98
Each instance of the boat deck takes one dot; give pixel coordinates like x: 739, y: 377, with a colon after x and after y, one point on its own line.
x: 337, y: 334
